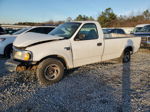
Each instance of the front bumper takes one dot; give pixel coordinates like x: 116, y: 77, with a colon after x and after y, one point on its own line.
x: 12, y: 65
x: 15, y: 65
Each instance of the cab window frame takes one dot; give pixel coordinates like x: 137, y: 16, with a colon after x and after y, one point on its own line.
x: 75, y: 38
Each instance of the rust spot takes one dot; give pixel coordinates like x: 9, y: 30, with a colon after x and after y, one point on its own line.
x: 20, y: 68
x: 24, y: 68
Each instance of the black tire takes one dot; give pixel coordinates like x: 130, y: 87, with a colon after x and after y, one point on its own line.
x: 50, y: 71
x: 126, y: 56
x: 8, y: 51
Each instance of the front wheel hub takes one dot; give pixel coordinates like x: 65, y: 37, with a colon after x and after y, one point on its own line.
x: 51, y: 72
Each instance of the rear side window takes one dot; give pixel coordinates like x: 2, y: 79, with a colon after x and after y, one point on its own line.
x: 44, y: 30
x: 120, y: 31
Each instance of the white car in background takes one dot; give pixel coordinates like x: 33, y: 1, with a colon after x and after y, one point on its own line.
x: 6, y: 41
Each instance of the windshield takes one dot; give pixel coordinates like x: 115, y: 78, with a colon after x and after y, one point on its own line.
x: 20, y: 31
x: 65, y: 30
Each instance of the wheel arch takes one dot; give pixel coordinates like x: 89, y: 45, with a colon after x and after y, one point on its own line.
x: 130, y: 48
x: 7, y: 46
x: 58, y: 57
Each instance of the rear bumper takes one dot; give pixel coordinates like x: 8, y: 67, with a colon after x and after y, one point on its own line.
x: 145, y: 43
x: 11, y: 65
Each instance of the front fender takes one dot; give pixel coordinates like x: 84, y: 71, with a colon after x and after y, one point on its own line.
x: 57, y: 48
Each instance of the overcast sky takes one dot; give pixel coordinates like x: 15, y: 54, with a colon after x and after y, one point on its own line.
x: 12, y: 11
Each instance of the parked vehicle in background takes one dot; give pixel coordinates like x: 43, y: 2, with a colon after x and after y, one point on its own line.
x: 6, y: 41
x: 139, y: 28
x: 145, y: 41
x: 10, y: 30
x: 2, y: 31
x: 145, y: 34
x: 68, y: 46
x: 113, y: 30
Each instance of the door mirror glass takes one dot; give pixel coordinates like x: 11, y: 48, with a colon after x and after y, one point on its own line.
x: 80, y: 36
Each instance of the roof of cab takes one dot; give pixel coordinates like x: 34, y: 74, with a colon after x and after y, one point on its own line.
x: 42, y: 26
x: 142, y: 25
x: 85, y: 21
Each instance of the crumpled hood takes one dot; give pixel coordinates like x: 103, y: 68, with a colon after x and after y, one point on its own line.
x: 8, y: 36
x: 31, y: 38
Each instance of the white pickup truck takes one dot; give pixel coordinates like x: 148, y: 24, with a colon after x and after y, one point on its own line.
x: 68, y: 46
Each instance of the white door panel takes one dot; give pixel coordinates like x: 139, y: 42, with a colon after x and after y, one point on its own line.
x: 87, y: 46
x: 86, y: 52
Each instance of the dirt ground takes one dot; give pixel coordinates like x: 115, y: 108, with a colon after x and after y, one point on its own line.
x: 103, y: 87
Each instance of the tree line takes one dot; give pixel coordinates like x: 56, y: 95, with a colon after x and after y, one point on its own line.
x: 107, y: 18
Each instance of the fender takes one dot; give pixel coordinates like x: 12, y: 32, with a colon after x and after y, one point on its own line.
x: 52, y: 48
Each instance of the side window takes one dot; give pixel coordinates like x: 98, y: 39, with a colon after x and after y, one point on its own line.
x: 36, y: 30
x: 47, y: 30
x: 115, y: 31
x: 44, y: 30
x: 120, y: 31
x: 87, y: 32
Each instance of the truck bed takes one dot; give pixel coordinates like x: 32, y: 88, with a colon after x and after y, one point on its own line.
x: 115, y: 35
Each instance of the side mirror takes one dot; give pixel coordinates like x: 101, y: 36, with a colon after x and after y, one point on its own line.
x: 80, y: 36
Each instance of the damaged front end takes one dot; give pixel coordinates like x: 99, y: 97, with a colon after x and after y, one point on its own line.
x: 21, y: 60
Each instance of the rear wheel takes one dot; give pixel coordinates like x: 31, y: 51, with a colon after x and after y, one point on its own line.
x: 50, y: 71
x: 126, y: 56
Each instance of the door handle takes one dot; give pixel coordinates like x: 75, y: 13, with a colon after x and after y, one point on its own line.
x: 67, y: 48
x: 99, y: 44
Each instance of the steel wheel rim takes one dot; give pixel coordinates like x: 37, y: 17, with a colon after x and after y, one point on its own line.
x: 51, y: 72
x: 127, y: 56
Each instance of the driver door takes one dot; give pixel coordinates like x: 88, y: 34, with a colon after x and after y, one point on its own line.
x: 87, y: 47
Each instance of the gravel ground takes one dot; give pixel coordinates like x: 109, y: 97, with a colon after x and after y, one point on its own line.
x: 103, y: 87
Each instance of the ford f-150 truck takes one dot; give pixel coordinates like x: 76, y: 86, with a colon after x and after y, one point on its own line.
x: 68, y: 46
